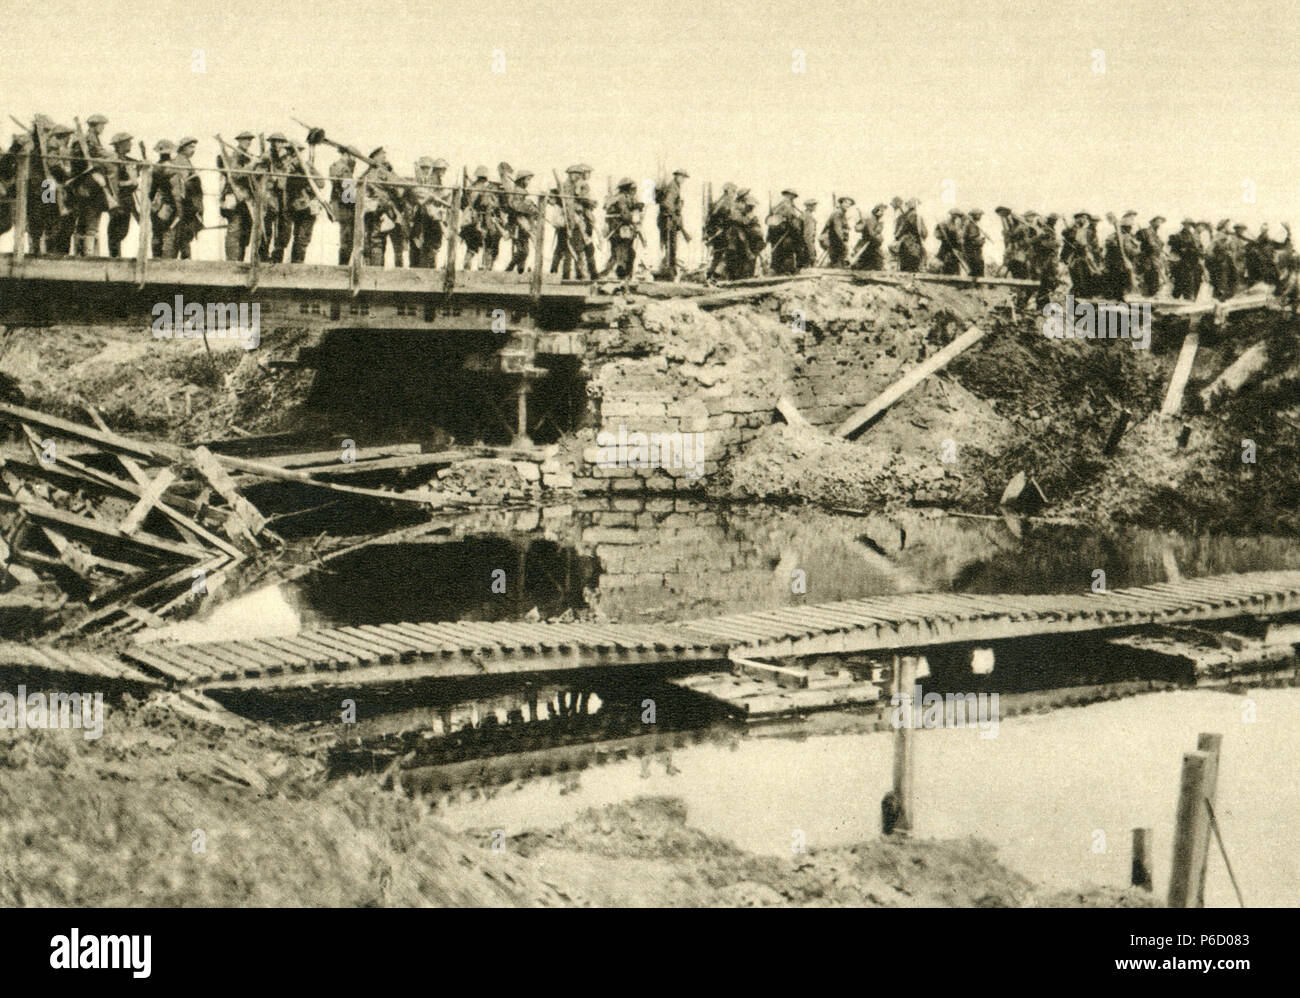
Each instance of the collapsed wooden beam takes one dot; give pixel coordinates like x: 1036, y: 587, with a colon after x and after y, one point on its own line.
x: 1182, y: 371
x: 910, y: 380
x: 1237, y: 375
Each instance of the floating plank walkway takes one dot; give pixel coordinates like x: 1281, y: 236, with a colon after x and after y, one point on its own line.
x: 407, y: 651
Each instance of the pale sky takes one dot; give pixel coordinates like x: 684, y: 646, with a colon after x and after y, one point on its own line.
x: 1197, y: 99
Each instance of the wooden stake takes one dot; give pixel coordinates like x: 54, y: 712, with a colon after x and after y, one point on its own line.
x: 1211, y: 744
x: 904, y: 680
x: 20, y: 208
x: 1140, y: 875
x: 1182, y: 371
x: 1191, y: 831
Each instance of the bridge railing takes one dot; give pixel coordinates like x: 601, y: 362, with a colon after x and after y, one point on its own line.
x: 551, y: 213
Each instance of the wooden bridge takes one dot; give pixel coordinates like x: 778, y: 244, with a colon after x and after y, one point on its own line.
x: 454, y: 651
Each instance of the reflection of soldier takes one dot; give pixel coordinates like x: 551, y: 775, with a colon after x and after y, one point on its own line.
x: 343, y: 200
x: 124, y: 179
x: 835, y: 233
x: 869, y: 254
x: 187, y: 192
x: 426, y: 206
x: 521, y: 221
x: 237, y: 196
x: 785, y: 234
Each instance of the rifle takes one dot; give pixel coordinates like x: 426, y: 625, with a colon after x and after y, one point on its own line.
x: 315, y: 136
x: 944, y: 230
x: 39, y: 136
x: 571, y: 224
x: 241, y: 195
x: 311, y: 182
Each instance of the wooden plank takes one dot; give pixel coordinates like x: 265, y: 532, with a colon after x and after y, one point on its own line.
x: 152, y: 657
x: 1173, y: 402
x: 364, y: 651
x: 422, y: 644
x: 149, y: 496
x: 271, y: 659
x: 910, y: 380
x: 405, y: 649
x: 250, y: 520
x: 435, y: 645
x: 319, y: 655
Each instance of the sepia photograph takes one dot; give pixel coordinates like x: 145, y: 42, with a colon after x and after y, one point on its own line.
x: 666, y: 456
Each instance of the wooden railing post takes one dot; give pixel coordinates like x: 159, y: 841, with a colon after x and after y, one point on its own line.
x: 1191, y: 831
x: 539, y: 251
x: 19, y: 214
x: 896, y: 810
x: 357, y: 257
x: 453, y: 234
x: 259, y: 207
x: 145, y: 223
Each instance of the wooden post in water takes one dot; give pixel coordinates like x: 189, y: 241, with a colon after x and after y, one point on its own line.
x: 1191, y: 831
x: 19, y: 214
x: 1140, y: 875
x: 897, y: 807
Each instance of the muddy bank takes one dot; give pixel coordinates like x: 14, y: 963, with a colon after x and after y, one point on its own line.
x: 167, y: 809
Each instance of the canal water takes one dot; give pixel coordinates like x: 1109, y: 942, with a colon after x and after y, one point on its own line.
x: 1056, y: 793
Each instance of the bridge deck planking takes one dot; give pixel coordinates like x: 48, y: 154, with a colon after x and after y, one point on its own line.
x: 391, y: 652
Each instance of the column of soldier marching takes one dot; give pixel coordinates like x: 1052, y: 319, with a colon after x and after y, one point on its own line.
x: 270, y: 198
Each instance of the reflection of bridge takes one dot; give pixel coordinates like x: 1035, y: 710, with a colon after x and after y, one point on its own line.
x: 939, y: 624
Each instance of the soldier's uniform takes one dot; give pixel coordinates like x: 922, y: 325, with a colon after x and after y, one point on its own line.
x: 1185, y: 260
x: 236, y: 196
x: 426, y: 210
x: 1015, y: 258
x: 63, y: 219
x: 869, y: 253
x: 162, y: 200
x: 623, y: 221
x: 744, y: 237
x: 972, y: 243
x: 8, y: 184
x: 717, y: 226
x: 124, y: 178
x: 1121, y: 250
x: 382, y: 213
x: 910, y: 234
x: 1046, y: 257
x: 294, y: 200
x: 90, y: 195
x: 587, y: 210
x: 522, y: 215
x: 1076, y: 255
x: 835, y: 234
x: 1221, y: 263
x: 669, y: 198
x: 187, y: 191
x: 949, y: 234
x: 809, y: 231
x: 785, y: 234
x: 479, y: 208
x: 343, y: 200
x: 1150, y: 261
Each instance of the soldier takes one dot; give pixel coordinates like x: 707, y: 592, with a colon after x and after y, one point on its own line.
x: 972, y: 242
x: 1045, y: 257
x: 162, y: 200
x: 910, y: 234
x: 1076, y: 255
x: 869, y: 253
x: 426, y: 207
x: 89, y: 192
x: 479, y: 210
x: 64, y: 221
x: 9, y: 192
x: 236, y: 197
x: 296, y: 203
x: 785, y: 234
x: 949, y: 233
x: 343, y: 199
x: 809, y: 254
x: 744, y: 236
x: 124, y: 178
x: 187, y: 191
x: 382, y: 213
x: 566, y: 217
x: 1150, y: 262
x: 1015, y: 260
x: 717, y: 227
x: 835, y: 233
x: 1220, y: 261
x: 1185, y: 254
x: 623, y: 222
x: 522, y: 214
x: 670, y: 200
x: 1121, y: 249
